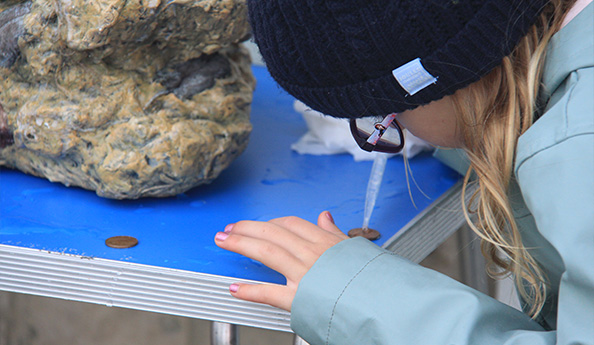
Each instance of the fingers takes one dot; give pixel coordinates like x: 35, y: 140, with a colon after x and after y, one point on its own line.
x: 308, y: 231
x: 288, y: 229
x: 298, y: 226
x: 264, y: 251
x: 326, y: 222
x: 269, y: 232
x: 275, y: 295
x: 292, y: 235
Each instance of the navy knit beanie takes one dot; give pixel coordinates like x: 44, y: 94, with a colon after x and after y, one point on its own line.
x: 355, y: 58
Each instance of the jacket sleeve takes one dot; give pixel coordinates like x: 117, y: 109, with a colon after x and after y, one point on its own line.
x: 559, y: 191
x: 358, y: 293
x: 557, y: 183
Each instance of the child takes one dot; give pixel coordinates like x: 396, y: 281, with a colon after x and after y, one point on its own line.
x: 508, y: 81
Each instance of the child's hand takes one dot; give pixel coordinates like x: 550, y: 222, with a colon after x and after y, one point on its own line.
x: 288, y: 245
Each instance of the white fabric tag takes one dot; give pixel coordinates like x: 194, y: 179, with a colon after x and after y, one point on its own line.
x: 413, y: 77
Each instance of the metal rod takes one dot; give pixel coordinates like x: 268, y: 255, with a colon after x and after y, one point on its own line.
x: 224, y: 334
x: 472, y: 265
x: 298, y: 341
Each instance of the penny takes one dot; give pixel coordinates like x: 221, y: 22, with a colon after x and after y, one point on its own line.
x: 369, y: 234
x: 121, y: 242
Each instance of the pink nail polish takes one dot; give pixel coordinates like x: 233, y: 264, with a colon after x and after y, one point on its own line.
x: 228, y: 228
x: 221, y: 236
x: 233, y: 287
x: 329, y: 217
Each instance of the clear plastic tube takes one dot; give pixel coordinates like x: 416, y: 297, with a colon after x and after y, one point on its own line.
x: 375, y: 180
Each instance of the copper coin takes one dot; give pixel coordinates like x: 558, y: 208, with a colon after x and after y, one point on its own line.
x: 121, y: 242
x: 369, y: 234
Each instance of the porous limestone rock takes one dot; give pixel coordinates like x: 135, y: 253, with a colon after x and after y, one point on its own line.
x: 130, y: 98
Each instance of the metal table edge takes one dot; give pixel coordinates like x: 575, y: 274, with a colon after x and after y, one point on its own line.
x: 133, y: 286
x: 430, y: 228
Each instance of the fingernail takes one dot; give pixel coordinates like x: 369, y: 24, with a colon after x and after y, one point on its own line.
x: 329, y: 216
x: 221, y: 236
x: 233, y: 287
x: 228, y: 228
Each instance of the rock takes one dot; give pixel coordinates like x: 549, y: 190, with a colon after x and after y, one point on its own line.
x: 11, y: 28
x: 136, y: 98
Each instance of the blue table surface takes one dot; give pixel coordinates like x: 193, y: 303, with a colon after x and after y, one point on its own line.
x: 268, y: 180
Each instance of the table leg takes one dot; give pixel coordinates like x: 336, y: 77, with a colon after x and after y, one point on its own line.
x: 298, y: 341
x: 472, y: 262
x: 224, y: 334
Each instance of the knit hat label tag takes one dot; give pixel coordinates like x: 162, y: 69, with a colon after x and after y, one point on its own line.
x: 413, y: 77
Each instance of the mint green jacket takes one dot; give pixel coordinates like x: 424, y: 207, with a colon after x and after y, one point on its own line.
x: 358, y: 293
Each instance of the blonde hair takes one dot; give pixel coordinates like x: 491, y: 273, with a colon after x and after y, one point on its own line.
x: 493, y: 113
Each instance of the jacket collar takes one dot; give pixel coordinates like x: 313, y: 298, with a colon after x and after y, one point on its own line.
x: 570, y: 49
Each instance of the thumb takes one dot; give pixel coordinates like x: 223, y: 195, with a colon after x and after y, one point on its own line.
x: 326, y: 222
x: 279, y: 296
